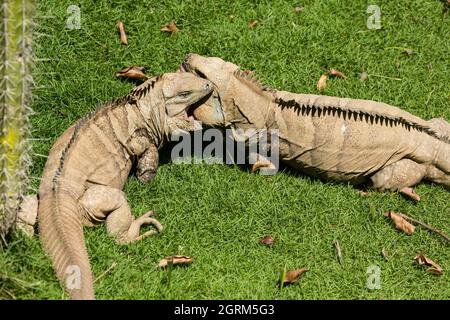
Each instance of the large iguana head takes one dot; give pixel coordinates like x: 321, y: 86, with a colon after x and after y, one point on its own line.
x: 167, y: 101
x: 220, y: 73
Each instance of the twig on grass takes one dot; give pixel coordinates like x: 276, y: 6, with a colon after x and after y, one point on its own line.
x: 113, y: 265
x: 338, y: 251
x: 426, y: 226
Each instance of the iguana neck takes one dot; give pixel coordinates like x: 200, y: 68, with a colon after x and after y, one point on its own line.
x: 150, y: 105
x: 154, y: 119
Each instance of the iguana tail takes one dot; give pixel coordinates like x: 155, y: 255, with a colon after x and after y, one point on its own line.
x: 61, y: 233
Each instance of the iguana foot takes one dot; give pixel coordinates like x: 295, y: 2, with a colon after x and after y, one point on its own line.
x: 263, y: 164
x: 26, y: 217
x: 133, y: 233
x: 410, y: 193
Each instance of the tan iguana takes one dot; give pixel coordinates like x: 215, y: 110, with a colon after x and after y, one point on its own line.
x: 88, y: 166
x: 339, y: 139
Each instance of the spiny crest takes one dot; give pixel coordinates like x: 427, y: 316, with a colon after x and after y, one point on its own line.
x: 144, y: 88
x: 348, y: 113
x: 241, y: 74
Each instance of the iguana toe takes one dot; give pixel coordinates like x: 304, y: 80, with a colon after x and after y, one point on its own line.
x: 410, y: 193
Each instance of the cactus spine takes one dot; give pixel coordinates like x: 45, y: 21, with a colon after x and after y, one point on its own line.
x: 15, y: 96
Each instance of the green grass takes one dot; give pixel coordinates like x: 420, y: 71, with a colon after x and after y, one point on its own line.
x: 218, y: 213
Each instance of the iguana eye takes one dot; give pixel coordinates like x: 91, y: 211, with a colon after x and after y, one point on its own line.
x: 185, y: 94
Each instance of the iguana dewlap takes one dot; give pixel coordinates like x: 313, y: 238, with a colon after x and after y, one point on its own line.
x: 88, y: 166
x: 338, y: 139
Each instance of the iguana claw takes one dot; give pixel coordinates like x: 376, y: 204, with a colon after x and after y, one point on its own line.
x: 410, y: 193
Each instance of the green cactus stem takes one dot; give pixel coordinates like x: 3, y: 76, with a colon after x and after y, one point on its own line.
x: 15, y: 96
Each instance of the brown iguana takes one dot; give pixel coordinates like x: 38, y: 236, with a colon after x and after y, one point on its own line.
x: 340, y: 139
x: 89, y: 164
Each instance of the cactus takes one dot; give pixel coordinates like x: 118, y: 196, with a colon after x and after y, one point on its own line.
x: 15, y: 95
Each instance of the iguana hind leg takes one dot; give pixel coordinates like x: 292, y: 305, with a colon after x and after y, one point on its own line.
x: 399, y: 175
x: 102, y: 202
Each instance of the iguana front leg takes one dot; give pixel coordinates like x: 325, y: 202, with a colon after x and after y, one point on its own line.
x: 148, y: 164
x: 102, y: 202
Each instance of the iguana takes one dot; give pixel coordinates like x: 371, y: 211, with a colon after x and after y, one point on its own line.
x: 339, y: 139
x: 89, y: 163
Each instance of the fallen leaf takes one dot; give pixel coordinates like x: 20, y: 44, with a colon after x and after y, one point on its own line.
x: 409, y: 52
x: 123, y: 36
x: 170, y: 28
x: 253, y: 23
x: 424, y: 260
x: 363, y: 76
x: 298, y: 9
x: 385, y: 254
x: 337, y: 73
x: 174, y: 260
x: 400, y: 222
x: 267, y: 241
x: 362, y: 193
x: 134, y: 72
x: 322, y: 83
x: 338, y: 251
x: 293, y: 276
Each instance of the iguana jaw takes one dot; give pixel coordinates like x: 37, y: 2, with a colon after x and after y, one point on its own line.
x: 219, y: 72
x: 183, y: 93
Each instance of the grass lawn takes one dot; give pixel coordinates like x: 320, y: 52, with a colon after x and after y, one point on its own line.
x: 218, y: 213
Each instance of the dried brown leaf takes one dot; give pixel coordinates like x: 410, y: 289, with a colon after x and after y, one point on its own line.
x: 267, y: 240
x: 385, y: 254
x: 337, y: 73
x: 337, y: 245
x: 363, y: 76
x: 249, y: 72
x: 424, y: 260
x: 400, y: 222
x: 253, y: 23
x: 133, y: 72
x: 294, y: 275
x: 123, y: 36
x: 409, y: 52
x: 174, y: 260
x: 170, y: 28
x: 362, y: 193
x: 322, y: 83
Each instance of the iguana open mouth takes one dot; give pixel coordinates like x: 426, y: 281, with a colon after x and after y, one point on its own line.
x: 188, y: 114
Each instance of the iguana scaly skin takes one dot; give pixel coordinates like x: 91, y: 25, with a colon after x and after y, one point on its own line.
x: 89, y: 164
x: 339, y: 139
